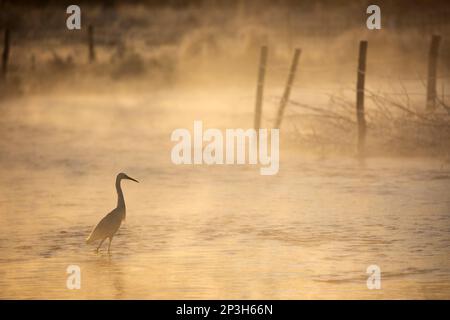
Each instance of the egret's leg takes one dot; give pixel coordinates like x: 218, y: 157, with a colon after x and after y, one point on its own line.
x: 101, y: 242
x: 109, y: 246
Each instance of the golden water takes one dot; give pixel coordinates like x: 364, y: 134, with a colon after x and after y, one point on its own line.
x: 206, y: 231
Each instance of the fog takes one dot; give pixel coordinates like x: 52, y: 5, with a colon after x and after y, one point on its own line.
x: 68, y: 125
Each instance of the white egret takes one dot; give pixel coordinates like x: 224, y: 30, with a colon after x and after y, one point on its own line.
x: 108, y: 226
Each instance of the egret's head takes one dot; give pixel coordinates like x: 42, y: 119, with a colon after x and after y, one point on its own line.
x: 122, y: 175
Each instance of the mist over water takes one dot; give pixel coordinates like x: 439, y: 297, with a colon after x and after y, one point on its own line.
x: 221, y: 231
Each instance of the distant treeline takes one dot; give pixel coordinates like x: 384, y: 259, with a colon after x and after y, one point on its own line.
x: 397, y: 6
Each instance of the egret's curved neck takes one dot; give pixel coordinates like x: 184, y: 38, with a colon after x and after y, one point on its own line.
x: 120, y: 199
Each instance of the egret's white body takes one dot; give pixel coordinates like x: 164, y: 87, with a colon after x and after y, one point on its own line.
x: 108, y: 226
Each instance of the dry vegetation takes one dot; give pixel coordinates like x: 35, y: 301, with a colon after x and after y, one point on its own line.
x: 217, y: 43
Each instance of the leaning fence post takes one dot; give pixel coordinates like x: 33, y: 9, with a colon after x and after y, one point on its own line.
x: 91, y: 43
x: 360, y: 97
x: 432, y: 72
x: 5, y: 55
x: 287, y: 91
x: 260, y: 87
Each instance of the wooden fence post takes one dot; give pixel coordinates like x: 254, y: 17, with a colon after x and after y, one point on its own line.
x: 287, y: 91
x: 91, y: 43
x: 432, y: 72
x: 260, y: 88
x: 360, y: 98
x: 5, y: 55
x: 33, y: 62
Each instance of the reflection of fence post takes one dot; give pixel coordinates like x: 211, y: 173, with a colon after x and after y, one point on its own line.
x: 432, y: 73
x: 5, y: 55
x: 360, y: 97
x: 260, y: 88
x: 91, y: 43
x: 287, y: 91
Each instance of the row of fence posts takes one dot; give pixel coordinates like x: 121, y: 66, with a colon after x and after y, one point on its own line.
x: 360, y: 88
x: 7, y: 46
x: 361, y: 72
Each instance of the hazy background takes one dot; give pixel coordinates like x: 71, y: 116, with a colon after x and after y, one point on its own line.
x: 68, y: 126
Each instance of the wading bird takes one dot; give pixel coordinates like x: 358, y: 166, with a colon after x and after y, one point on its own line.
x: 108, y: 226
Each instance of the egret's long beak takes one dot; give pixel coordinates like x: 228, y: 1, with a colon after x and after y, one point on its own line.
x: 129, y: 178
